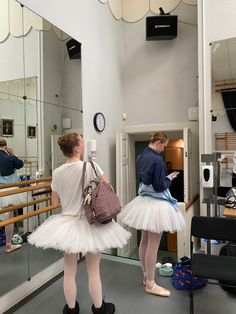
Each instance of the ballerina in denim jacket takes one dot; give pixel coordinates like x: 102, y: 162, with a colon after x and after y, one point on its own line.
x: 154, y: 210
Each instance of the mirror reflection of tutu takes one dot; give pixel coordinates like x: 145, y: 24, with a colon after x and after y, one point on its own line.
x: 11, y: 200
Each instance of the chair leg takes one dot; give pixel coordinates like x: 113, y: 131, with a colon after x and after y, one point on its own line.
x: 191, y: 302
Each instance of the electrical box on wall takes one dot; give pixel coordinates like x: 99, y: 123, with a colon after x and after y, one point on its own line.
x: 66, y: 123
x: 193, y: 114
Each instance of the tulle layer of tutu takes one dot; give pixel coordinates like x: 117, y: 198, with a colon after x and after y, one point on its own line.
x: 73, y: 235
x: 6, y: 201
x: 146, y: 213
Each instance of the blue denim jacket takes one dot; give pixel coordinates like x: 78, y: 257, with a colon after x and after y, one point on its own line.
x: 152, y: 170
x: 147, y: 190
x: 8, y: 164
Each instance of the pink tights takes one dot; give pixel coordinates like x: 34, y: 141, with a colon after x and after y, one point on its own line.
x: 148, y: 248
x: 9, y: 233
x: 94, y: 280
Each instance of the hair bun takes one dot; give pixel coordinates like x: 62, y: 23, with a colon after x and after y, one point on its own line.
x: 3, y: 142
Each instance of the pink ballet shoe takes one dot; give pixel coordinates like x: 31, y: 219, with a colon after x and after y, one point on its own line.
x: 12, y: 247
x: 157, y: 290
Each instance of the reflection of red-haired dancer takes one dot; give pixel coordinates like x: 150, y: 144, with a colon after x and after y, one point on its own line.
x: 154, y: 210
x: 8, y: 163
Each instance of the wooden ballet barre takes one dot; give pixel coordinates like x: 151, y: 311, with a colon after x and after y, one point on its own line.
x: 15, y: 207
x: 229, y: 212
x: 26, y: 189
x: 41, y: 192
x: 20, y: 183
x: 28, y: 215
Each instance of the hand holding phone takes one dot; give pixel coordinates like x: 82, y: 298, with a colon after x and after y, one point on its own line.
x: 9, y: 151
x: 174, y: 174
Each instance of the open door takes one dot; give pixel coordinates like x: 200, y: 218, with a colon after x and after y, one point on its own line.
x: 125, y: 185
x: 57, y: 156
x: 187, y: 163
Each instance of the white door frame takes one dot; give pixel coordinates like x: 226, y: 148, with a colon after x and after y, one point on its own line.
x: 165, y: 127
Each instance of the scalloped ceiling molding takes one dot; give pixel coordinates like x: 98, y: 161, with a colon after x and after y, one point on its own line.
x: 14, y: 90
x: 12, y: 16
x: 134, y: 10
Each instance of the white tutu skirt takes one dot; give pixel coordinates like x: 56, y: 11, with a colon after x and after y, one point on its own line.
x: 155, y: 215
x: 10, y: 200
x: 73, y: 235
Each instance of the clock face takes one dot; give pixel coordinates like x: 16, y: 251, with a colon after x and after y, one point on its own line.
x: 99, y: 122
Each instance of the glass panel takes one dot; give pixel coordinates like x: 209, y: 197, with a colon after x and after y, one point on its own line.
x: 40, y: 98
x: 223, y: 109
x: 13, y: 112
x: 59, y: 100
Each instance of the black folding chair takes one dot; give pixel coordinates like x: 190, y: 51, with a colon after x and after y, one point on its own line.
x: 212, y: 266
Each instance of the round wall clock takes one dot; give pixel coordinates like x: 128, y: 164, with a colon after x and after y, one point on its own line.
x: 99, y: 122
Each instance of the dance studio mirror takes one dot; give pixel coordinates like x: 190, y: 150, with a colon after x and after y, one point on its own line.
x: 40, y: 88
x: 223, y: 60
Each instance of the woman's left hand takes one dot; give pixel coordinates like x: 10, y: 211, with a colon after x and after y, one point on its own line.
x: 9, y: 151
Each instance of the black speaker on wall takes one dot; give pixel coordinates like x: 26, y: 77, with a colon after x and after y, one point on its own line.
x: 74, y: 49
x: 161, y: 27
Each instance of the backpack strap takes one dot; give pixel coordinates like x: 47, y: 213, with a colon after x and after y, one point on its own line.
x: 83, y: 174
x: 94, y: 169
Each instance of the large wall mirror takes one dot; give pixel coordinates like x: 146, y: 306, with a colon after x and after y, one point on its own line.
x: 223, y: 54
x: 40, y: 98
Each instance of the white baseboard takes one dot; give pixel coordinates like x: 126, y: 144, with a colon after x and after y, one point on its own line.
x: 26, y: 288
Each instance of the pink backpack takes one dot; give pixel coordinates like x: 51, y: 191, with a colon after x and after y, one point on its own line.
x: 101, y: 204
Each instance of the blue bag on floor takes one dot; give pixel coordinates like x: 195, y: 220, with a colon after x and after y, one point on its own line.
x: 2, y: 237
x: 182, y: 276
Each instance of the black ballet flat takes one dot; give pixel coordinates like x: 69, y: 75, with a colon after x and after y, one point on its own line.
x: 75, y: 310
x: 106, y: 308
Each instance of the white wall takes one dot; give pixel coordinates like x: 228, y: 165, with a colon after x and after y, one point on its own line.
x: 160, y: 77
x: 92, y: 24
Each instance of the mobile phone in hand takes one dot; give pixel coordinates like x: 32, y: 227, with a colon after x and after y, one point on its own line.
x: 174, y: 173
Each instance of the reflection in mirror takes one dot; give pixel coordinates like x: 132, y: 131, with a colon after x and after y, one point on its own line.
x: 14, y: 111
x: 60, y: 100
x: 223, y: 55
x: 40, y: 98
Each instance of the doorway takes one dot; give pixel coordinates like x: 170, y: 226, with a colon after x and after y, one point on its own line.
x: 126, y: 186
x: 173, y: 157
